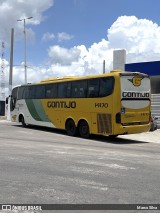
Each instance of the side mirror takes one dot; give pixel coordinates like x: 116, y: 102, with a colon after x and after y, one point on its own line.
x: 7, y: 100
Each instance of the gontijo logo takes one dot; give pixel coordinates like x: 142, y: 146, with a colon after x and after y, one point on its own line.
x: 136, y: 81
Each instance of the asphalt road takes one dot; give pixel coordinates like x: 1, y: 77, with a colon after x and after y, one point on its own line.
x: 41, y: 166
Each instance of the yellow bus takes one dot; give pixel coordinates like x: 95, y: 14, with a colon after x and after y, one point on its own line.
x: 112, y: 104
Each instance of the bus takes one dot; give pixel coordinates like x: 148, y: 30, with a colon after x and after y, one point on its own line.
x: 111, y: 104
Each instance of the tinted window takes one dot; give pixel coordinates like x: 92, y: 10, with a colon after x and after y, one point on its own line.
x: 32, y: 92
x: 79, y: 89
x: 64, y: 90
x: 29, y: 92
x: 40, y: 91
x: 98, y: 87
x: 51, y: 91
x: 14, y: 92
x: 106, y: 86
x: 93, y: 88
x: 20, y: 92
x: 26, y: 93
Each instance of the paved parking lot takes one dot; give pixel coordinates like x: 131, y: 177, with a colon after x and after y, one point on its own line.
x: 146, y: 136
x: 40, y: 166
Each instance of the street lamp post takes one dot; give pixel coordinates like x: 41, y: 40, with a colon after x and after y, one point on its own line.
x: 25, y: 63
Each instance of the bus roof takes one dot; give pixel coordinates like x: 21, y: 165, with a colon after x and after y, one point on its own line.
x: 58, y: 79
x: 70, y: 78
x: 50, y: 80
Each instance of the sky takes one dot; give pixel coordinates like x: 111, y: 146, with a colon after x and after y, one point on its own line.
x: 73, y: 37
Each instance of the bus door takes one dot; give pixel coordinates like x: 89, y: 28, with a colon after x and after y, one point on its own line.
x: 135, y: 99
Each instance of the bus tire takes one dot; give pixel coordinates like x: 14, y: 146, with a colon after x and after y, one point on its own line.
x: 84, y: 129
x: 71, y: 128
x: 23, y: 122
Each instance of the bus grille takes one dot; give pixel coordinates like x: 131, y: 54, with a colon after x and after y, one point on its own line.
x: 104, y: 123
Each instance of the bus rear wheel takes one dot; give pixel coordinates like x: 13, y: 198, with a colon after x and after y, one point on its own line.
x: 84, y: 129
x: 71, y: 128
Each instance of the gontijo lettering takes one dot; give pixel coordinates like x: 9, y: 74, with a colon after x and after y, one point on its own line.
x: 61, y: 104
x: 135, y: 94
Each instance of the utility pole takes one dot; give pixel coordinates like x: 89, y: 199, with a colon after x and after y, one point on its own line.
x: 104, y: 66
x: 10, y: 73
x: 11, y: 61
x: 25, y: 61
x: 2, y: 86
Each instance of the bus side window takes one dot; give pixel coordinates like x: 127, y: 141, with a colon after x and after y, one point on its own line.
x: 79, y: 89
x: 31, y: 94
x: 83, y: 89
x: 61, y: 90
x: 93, y: 88
x: 74, y: 93
x: 20, y: 93
x: 40, y: 91
x: 26, y: 93
x: 106, y: 86
x: 48, y: 91
x: 68, y: 90
x: 64, y: 90
x: 51, y: 91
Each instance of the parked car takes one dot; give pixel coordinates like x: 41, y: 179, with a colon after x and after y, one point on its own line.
x: 153, y: 123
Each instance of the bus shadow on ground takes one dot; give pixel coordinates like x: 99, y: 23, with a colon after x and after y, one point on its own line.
x: 118, y: 140
x: 95, y: 138
x: 42, y: 129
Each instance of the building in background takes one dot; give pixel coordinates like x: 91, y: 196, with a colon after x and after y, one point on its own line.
x: 119, y: 59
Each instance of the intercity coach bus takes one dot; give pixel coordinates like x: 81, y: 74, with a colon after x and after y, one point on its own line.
x: 111, y: 104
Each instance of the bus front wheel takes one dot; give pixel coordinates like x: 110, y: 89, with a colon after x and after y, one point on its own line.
x: 71, y: 128
x: 84, y: 129
x: 22, y: 121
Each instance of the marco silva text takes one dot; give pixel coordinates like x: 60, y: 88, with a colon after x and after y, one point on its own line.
x: 147, y: 207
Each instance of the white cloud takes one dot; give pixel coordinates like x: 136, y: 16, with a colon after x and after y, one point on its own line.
x: 48, y: 36
x: 10, y: 11
x: 64, y: 36
x: 137, y: 36
x: 60, y: 36
x: 63, y: 56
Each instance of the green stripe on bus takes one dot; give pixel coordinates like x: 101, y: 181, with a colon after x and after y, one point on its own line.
x: 36, y: 110
x: 40, y: 110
